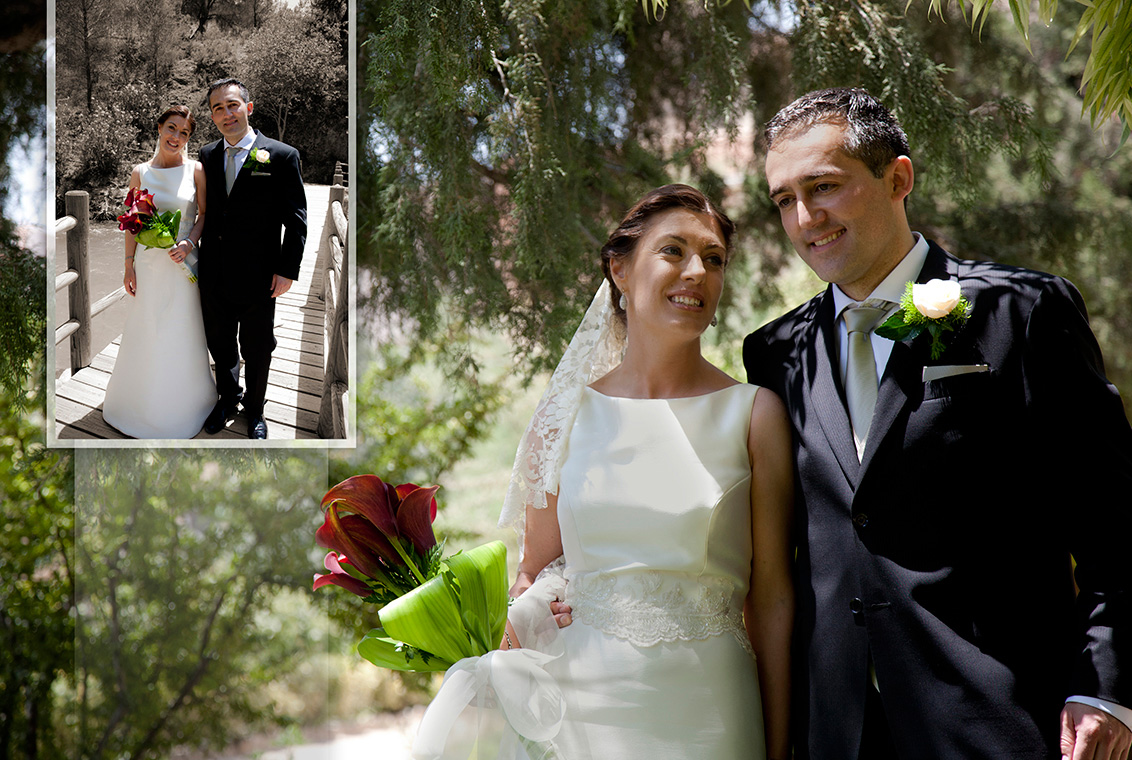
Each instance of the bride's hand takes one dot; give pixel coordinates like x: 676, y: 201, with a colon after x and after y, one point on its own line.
x: 130, y: 280
x: 180, y: 251
x: 562, y: 617
x: 523, y: 582
x: 561, y: 612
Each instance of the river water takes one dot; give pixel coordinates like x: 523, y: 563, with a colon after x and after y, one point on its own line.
x: 107, y: 258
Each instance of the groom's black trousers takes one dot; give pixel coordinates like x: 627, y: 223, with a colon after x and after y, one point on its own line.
x: 234, y: 330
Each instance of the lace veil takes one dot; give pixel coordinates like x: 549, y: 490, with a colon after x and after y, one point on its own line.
x: 596, y: 348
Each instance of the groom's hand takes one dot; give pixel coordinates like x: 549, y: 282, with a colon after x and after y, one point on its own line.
x: 1089, y: 733
x: 279, y: 285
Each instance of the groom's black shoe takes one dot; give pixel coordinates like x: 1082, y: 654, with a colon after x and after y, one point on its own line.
x: 257, y: 427
x: 219, y: 416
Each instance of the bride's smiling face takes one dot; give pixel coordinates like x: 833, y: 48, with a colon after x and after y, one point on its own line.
x: 674, y: 278
x: 173, y: 134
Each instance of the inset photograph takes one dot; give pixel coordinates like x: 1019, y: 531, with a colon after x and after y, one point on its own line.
x: 201, y: 251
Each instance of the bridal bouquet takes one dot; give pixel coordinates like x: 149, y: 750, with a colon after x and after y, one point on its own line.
x: 435, y: 610
x: 151, y: 228
x: 438, y: 614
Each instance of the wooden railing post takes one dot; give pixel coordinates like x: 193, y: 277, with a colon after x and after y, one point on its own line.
x: 336, y: 287
x: 78, y: 258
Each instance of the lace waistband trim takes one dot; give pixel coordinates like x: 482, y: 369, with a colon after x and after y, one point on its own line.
x: 649, y: 608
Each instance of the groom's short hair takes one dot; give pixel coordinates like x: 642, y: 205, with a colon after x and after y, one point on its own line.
x: 224, y: 84
x: 872, y: 134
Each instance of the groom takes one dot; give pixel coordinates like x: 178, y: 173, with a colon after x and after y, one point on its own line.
x: 938, y: 528
x: 255, y: 228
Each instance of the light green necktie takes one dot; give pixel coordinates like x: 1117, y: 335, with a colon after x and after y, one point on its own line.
x: 231, y: 171
x: 861, y: 368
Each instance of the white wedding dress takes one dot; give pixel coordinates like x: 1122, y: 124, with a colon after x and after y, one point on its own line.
x: 162, y: 386
x: 654, y: 511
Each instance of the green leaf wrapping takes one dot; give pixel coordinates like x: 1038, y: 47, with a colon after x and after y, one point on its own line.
x: 481, y: 575
x: 381, y: 650
x: 160, y: 231
x: 457, y: 614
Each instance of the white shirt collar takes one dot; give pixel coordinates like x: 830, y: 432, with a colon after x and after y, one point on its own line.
x: 891, y: 287
x: 246, y: 142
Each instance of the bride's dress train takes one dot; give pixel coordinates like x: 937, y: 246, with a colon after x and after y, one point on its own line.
x: 654, y: 512
x: 162, y: 386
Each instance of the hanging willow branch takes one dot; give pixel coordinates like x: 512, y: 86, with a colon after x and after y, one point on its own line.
x: 1107, y: 81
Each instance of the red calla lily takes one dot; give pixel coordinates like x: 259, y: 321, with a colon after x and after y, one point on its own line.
x: 367, y: 495
x: 339, y: 577
x: 415, y: 515
x: 139, y: 208
x: 131, y: 223
x: 371, y: 524
x: 352, y: 542
x: 404, y: 490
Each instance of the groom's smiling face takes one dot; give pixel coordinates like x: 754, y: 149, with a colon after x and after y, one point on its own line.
x: 230, y: 112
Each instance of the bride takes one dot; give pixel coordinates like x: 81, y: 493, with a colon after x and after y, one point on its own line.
x: 652, y: 496
x: 162, y: 386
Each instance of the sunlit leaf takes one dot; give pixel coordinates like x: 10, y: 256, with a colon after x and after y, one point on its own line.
x: 380, y: 650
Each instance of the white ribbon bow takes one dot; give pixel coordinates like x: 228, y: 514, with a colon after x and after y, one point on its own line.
x: 511, y: 685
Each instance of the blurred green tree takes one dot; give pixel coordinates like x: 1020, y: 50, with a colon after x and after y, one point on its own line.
x: 180, y: 555
x: 23, y: 277
x: 37, y: 587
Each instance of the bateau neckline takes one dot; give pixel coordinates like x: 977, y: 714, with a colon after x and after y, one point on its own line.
x: 151, y: 166
x: 666, y: 399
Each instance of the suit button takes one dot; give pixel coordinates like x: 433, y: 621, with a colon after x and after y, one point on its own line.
x: 861, y: 520
x: 856, y: 606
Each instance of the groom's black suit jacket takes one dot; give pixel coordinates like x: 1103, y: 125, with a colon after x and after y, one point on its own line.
x: 241, y: 247
x: 946, y: 552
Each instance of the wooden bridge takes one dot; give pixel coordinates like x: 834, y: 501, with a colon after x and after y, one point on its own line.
x: 308, y: 383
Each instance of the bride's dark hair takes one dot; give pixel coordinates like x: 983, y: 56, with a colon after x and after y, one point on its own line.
x: 179, y: 110
x: 623, y: 240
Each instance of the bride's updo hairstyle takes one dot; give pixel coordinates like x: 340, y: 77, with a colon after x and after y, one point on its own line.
x: 623, y: 240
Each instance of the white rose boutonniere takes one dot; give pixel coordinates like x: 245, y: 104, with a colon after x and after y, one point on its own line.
x: 257, y: 159
x: 937, y: 306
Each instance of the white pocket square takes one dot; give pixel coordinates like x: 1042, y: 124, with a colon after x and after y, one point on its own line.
x: 936, y: 372
x: 260, y: 173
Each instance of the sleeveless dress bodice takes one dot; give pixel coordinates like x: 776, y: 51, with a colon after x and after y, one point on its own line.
x: 162, y: 385
x: 173, y: 189
x: 654, y: 511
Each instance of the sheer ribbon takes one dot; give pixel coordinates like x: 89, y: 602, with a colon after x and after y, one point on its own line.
x: 504, y: 699
x: 596, y: 348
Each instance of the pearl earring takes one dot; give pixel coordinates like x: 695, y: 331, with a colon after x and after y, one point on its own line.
x: 624, y: 303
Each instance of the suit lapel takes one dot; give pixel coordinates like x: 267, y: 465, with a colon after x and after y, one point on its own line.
x: 214, y: 166
x: 903, y: 374
x: 826, y: 392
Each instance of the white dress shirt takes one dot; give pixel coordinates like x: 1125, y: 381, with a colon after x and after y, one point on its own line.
x: 245, y: 144
x: 891, y: 289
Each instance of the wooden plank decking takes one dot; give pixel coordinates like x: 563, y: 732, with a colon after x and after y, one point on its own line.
x: 297, y: 365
